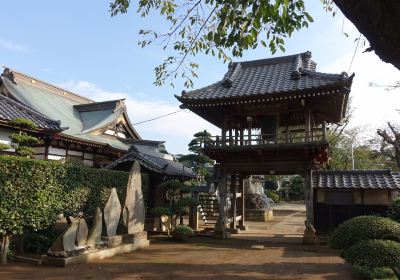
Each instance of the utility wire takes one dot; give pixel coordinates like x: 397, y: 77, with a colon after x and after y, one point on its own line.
x: 355, y: 51
x: 159, y: 117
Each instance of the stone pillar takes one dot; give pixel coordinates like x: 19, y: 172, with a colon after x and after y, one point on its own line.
x: 309, y: 196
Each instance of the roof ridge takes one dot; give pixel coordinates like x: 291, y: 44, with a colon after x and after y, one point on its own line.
x: 48, y: 84
x: 355, y: 171
x: 272, y: 60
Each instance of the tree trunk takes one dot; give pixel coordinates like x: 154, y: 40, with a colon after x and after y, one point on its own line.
x: 5, y: 243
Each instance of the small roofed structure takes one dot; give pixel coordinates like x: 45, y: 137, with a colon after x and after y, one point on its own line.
x: 95, y: 133
x: 153, y: 159
x: 343, y: 194
x: 159, y: 166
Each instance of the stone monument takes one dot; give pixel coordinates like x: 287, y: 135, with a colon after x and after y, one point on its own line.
x: 133, y: 210
x: 94, y: 235
x: 82, y: 233
x: 112, y: 213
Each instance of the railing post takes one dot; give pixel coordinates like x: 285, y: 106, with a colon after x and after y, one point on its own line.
x: 324, y: 131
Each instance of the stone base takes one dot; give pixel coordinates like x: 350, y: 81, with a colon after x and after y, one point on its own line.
x: 94, y: 256
x: 243, y: 228
x: 309, y: 237
x: 259, y: 215
x: 234, y: 231
x: 113, y: 241
x: 134, y: 238
x: 222, y: 234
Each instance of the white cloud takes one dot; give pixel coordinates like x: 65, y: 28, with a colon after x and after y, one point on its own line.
x: 12, y: 46
x: 177, y: 129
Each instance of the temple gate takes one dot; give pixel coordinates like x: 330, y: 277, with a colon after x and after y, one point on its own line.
x: 273, y: 115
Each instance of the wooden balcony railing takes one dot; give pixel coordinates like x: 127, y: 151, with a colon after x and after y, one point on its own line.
x: 290, y: 137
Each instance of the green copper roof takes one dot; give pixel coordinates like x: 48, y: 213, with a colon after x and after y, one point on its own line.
x: 83, y: 118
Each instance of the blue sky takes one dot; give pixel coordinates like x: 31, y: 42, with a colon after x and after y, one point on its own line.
x: 77, y: 45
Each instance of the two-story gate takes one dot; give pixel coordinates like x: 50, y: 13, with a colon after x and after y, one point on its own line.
x: 273, y: 114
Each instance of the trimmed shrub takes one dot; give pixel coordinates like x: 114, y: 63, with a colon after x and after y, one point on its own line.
x: 374, y: 253
x: 182, y: 232
x: 374, y: 273
x: 274, y: 196
x: 394, y: 210
x: 362, y: 228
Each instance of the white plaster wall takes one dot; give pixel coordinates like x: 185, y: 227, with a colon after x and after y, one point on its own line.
x: 57, y: 151
x: 39, y: 150
x: 4, y: 139
x: 88, y: 162
x: 89, y: 156
x: 75, y: 153
x: 52, y: 157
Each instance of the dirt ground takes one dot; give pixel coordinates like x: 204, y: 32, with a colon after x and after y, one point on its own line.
x: 283, y: 257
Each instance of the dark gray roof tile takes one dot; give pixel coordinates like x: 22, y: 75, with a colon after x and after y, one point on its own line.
x: 10, y: 109
x: 267, y: 76
x: 350, y: 179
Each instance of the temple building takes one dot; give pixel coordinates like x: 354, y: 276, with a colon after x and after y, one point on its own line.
x: 75, y: 128
x: 273, y: 114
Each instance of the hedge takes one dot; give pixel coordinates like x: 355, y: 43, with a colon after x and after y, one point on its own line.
x: 362, y: 228
x: 374, y: 253
x: 34, y: 192
x: 374, y: 273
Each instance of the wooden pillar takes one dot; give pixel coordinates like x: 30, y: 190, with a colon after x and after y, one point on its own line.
x: 224, y: 133
x: 194, y: 214
x: 277, y: 129
x: 220, y: 226
x: 307, y: 125
x: 309, y: 196
x: 249, y: 126
x: 241, y: 203
x: 47, y: 143
x: 241, y: 136
x: 233, y: 203
x: 230, y: 135
x: 287, y: 134
x: 236, y: 136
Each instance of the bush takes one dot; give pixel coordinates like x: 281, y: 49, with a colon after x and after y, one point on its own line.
x: 374, y: 273
x: 34, y: 192
x: 363, y: 228
x: 394, y: 210
x: 374, y: 253
x: 274, y: 196
x: 182, y: 232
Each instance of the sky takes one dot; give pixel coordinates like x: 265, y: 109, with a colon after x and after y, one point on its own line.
x: 79, y: 46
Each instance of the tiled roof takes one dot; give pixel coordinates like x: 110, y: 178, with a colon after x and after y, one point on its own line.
x: 267, y: 76
x: 151, y: 158
x: 10, y: 109
x: 359, y: 179
x: 83, y: 117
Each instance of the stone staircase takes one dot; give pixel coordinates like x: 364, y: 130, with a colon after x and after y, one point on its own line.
x: 209, y: 209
